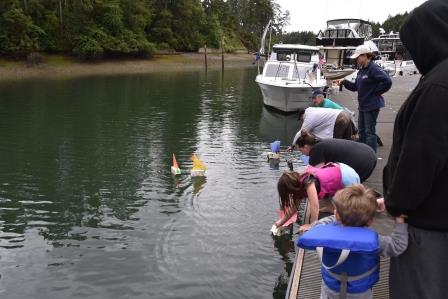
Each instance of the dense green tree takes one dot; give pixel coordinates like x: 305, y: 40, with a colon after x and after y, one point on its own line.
x: 106, y: 28
x: 187, y: 25
x: 375, y: 29
x: 300, y: 37
x: 44, y: 14
x: 393, y: 23
x: 18, y: 34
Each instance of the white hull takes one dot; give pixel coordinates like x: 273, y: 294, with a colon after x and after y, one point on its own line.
x: 337, y: 74
x: 285, y: 95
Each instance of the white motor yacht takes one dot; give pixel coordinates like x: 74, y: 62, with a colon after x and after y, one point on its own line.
x: 337, y: 43
x: 393, y: 57
x: 289, y: 77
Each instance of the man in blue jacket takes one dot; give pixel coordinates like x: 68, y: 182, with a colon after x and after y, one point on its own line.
x: 371, y: 82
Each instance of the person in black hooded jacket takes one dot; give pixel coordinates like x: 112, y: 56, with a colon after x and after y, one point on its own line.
x: 415, y: 179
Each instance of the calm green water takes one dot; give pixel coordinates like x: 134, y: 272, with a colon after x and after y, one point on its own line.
x: 89, y: 208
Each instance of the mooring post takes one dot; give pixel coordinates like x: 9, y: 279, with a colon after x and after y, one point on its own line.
x: 222, y: 54
x: 205, y: 57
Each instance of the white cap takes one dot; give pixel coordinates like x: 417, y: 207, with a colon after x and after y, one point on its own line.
x: 362, y: 49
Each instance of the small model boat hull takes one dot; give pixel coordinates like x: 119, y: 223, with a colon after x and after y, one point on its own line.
x: 272, y: 155
x: 175, y: 170
x: 197, y: 172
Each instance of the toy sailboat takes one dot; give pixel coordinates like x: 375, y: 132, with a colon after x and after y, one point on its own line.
x: 175, y: 167
x: 275, y: 150
x: 198, y: 167
x: 278, y: 231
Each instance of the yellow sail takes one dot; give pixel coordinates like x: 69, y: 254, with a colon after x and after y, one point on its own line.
x: 197, y: 164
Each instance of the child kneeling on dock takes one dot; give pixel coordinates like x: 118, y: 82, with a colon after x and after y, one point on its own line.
x: 348, y: 249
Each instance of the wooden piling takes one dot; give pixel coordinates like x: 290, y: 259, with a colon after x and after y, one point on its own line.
x: 205, y: 57
x: 222, y: 54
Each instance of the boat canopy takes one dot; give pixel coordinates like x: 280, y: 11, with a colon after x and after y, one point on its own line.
x: 294, y: 47
x: 344, y: 33
x: 363, y: 28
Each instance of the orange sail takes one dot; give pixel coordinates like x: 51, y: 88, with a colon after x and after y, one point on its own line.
x: 175, y: 168
x: 175, y: 165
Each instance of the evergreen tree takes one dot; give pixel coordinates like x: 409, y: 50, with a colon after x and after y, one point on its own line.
x: 98, y: 28
x: 18, y: 34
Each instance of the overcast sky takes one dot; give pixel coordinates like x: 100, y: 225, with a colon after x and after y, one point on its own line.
x: 312, y: 15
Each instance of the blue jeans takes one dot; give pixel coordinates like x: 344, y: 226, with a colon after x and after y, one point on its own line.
x: 367, y: 127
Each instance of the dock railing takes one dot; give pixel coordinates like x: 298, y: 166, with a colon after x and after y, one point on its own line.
x: 296, y: 271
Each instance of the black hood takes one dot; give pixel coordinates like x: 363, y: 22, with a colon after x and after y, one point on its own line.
x: 424, y: 34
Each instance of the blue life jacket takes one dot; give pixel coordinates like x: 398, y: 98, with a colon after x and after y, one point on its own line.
x: 349, y: 255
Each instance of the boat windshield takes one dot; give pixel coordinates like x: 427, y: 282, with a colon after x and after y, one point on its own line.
x: 339, y: 33
x: 304, y: 56
x: 386, y: 45
x: 299, y: 55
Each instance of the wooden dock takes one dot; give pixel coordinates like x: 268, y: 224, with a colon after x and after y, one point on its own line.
x: 305, y: 278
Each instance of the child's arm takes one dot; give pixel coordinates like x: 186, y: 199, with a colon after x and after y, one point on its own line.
x: 288, y: 214
x: 313, y: 201
x: 397, y: 243
x: 326, y: 220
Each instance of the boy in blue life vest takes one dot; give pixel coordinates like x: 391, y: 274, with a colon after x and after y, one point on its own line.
x: 348, y: 249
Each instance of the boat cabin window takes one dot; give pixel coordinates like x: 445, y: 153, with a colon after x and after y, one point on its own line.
x: 304, y: 56
x: 386, y: 45
x: 342, y: 33
x: 283, y: 55
x: 298, y: 55
x: 333, y: 33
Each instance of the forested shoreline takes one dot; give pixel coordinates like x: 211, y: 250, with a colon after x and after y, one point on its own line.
x: 95, y: 29
x: 91, y: 29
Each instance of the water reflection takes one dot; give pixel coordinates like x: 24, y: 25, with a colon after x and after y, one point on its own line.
x: 285, y: 247
x: 275, y: 125
x: 198, y: 183
x: 88, y: 205
x: 274, y: 164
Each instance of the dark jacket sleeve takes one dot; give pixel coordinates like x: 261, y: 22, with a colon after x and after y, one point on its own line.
x: 383, y: 79
x: 316, y: 155
x: 350, y: 85
x: 422, y: 153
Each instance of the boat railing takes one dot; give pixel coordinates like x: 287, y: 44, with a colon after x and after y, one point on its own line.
x: 283, y: 68
x: 278, y: 70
